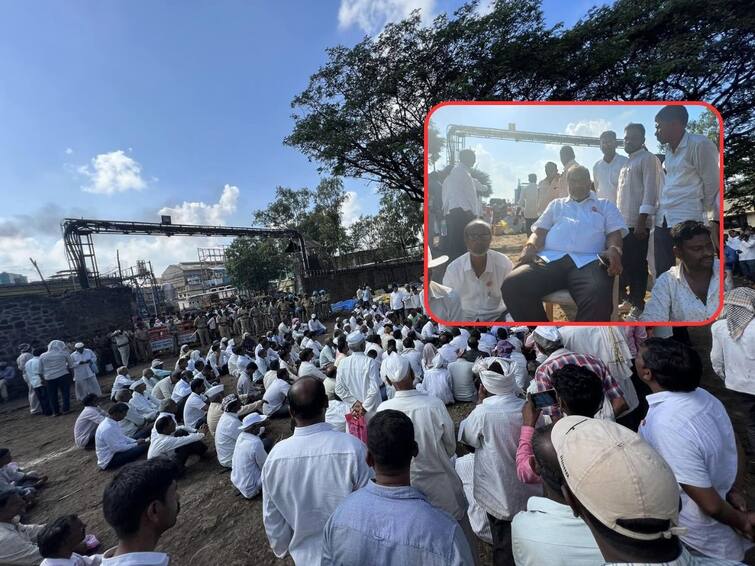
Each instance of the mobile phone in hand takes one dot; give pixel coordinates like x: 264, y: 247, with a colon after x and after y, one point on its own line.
x: 546, y: 398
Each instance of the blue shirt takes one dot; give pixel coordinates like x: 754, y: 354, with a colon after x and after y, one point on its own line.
x: 392, y: 525
x: 578, y: 229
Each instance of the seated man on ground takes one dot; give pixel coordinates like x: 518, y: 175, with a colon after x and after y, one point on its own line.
x: 18, y: 542
x: 176, y: 442
x: 112, y: 445
x: 140, y: 504
x: 87, y: 421
x: 195, y: 409
x: 10, y: 473
x: 227, y: 430
x: 349, y: 535
x: 62, y: 542
x: 249, y: 455
x: 134, y: 425
x: 144, y: 405
x: 689, y: 291
x: 477, y: 275
x: 274, y: 402
x: 576, y: 244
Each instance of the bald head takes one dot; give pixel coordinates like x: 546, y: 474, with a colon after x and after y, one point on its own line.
x: 307, y: 401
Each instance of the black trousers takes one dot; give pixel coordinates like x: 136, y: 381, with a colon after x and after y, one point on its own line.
x: 44, y: 402
x: 126, y: 456
x: 528, y: 222
x: 456, y: 221
x: 590, y: 287
x: 183, y: 452
x: 62, y: 384
x: 500, y: 529
x: 663, y: 250
x: 635, y: 273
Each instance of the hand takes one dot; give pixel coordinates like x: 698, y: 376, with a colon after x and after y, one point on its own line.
x: 530, y: 414
x: 737, y: 500
x: 528, y: 255
x: 357, y: 409
x: 204, y: 429
x: 614, y: 262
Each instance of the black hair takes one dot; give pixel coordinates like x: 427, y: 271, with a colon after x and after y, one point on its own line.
x: 54, y: 534
x: 307, y: 398
x: 4, y: 452
x: 38, y: 351
x: 637, y: 127
x: 90, y: 400
x: 502, y: 334
x: 390, y: 346
x: 473, y: 343
x: 273, y: 365
x: 673, y: 113
x: 579, y: 388
x: 118, y: 409
x: 372, y: 354
x: 566, y: 150
x: 199, y: 364
x: 281, y: 373
x: 674, y: 365
x: 390, y: 440
x: 306, y: 354
x: 133, y: 489
x: 687, y: 230
x: 408, y: 343
x: 162, y: 424
x: 196, y: 383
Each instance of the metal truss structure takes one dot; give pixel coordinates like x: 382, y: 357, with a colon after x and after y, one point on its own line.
x: 457, y: 134
x: 77, y: 236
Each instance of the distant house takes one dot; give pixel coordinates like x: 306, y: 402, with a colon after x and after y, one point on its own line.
x: 189, y: 281
x: 12, y: 279
x: 744, y: 216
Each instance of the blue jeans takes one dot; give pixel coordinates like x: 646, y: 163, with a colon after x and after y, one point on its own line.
x: 62, y: 384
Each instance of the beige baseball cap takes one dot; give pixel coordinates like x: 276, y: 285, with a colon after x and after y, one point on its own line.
x: 616, y: 475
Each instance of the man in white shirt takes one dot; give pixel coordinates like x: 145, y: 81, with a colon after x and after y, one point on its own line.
x: 177, y: 443
x: 569, y: 162
x: 639, y: 183
x: 18, y: 542
x: 139, y: 521
x: 86, y: 423
x: 307, y: 475
x: 688, y: 291
x: 547, y: 189
x: 492, y: 430
x: 444, y: 302
x: 432, y: 470
x: 548, y: 532
x: 733, y: 354
x: 141, y: 403
x: 358, y: 378
x: 33, y: 372
x: 274, y: 401
x: 25, y: 354
x: 571, y: 242
x: 528, y: 200
x: 461, y: 204
x: 195, y: 408
x: 690, y: 428
x: 315, y: 326
x: 397, y: 301
x: 84, y: 377
x: 249, y: 456
x: 477, y: 275
x: 605, y: 172
x: 227, y: 430
x: 112, y: 445
x: 691, y: 186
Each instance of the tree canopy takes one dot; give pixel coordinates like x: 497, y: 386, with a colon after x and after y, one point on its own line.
x: 362, y: 114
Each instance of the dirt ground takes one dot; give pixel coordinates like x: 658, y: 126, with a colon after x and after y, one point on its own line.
x: 215, y: 526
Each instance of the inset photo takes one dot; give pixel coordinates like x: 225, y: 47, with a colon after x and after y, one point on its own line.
x: 590, y: 212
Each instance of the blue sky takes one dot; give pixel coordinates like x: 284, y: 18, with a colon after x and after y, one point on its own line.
x: 126, y: 109
x: 507, y: 162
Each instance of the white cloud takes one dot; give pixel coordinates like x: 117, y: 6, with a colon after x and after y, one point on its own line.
x: 485, y: 7
x: 587, y: 127
x: 69, y: 151
x: 351, y: 209
x: 371, y: 16
x: 111, y: 173
x: 203, y: 213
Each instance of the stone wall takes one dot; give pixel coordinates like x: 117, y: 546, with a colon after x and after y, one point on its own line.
x: 343, y: 284
x: 77, y: 315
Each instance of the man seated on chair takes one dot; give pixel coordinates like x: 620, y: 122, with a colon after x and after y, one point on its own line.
x: 576, y: 244
x: 477, y: 275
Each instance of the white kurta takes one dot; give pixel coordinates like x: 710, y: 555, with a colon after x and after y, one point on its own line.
x: 438, y: 383
x: 432, y: 471
x: 225, y: 437
x: 304, y: 479
x: 248, y: 458
x: 84, y: 377
x: 357, y: 379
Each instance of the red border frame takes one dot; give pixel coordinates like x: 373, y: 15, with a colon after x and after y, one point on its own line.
x: 577, y: 103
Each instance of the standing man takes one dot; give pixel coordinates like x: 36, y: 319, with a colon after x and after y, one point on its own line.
x: 528, y: 201
x: 460, y: 202
x: 141, y: 337
x: 639, y: 183
x: 24, y: 356
x: 477, y: 276
x: 418, y: 532
x: 569, y: 162
x: 200, y: 324
x: 397, y: 301
x: 121, y: 343
x: 56, y: 365
x: 307, y: 475
x: 547, y: 189
x: 84, y: 372
x: 605, y: 173
x: 692, y: 184
x: 33, y: 371
x: 223, y: 324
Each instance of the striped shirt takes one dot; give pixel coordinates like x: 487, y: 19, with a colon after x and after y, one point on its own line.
x: 563, y: 357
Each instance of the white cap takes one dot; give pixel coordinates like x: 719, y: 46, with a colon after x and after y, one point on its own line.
x: 252, y: 419
x: 494, y: 382
x: 78, y: 345
x: 355, y: 338
x: 616, y: 475
x: 549, y: 333
x: 136, y: 384
x: 214, y: 390
x: 396, y: 367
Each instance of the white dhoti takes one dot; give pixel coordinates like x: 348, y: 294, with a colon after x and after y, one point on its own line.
x: 86, y: 385
x: 125, y: 352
